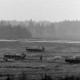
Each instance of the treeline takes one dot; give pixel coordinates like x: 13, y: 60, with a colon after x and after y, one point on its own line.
x: 42, y: 29
x: 7, y: 31
x: 68, y: 30
x: 65, y: 30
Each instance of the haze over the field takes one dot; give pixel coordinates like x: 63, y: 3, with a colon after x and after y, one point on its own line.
x: 51, y: 10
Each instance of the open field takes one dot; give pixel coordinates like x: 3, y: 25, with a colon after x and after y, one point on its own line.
x: 33, y: 66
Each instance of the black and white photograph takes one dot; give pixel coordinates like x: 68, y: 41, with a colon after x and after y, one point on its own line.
x: 39, y: 39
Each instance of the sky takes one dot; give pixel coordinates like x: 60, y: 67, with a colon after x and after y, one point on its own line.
x: 40, y: 10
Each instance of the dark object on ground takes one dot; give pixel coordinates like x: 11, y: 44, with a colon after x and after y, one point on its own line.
x: 73, y: 60
x: 23, y: 76
x: 47, y: 77
x: 9, y: 77
x: 35, y: 49
x: 14, y: 56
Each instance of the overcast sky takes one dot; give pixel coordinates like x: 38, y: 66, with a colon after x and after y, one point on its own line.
x: 51, y: 10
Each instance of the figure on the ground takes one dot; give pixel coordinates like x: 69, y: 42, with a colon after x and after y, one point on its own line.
x: 41, y: 57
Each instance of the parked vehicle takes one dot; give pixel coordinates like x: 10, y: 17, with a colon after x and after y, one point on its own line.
x: 73, y: 60
x: 9, y: 56
x: 35, y: 49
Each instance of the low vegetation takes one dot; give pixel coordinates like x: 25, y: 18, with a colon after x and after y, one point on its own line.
x: 36, y: 64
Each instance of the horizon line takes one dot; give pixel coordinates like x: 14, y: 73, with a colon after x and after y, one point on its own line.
x: 38, y: 20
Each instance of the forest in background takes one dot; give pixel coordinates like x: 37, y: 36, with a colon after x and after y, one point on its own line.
x: 64, y: 30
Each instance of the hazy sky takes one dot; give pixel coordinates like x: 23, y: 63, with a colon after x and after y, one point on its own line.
x: 51, y: 10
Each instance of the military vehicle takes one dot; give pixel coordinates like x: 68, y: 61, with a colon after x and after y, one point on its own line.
x: 9, y: 56
x: 73, y: 60
x: 35, y: 49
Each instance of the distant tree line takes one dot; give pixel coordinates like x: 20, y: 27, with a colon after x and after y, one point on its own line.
x: 16, y: 32
x: 65, y: 30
